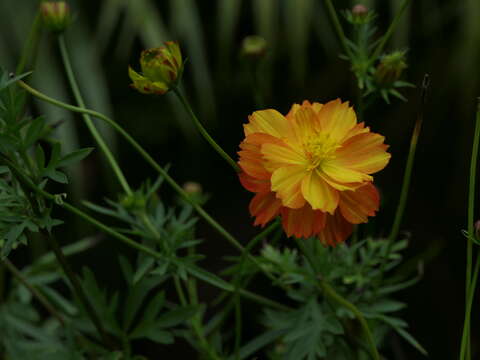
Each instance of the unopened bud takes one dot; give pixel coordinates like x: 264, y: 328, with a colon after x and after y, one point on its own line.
x: 133, y: 202
x: 161, y: 67
x: 390, y: 68
x: 56, y: 15
x: 359, y: 10
x: 192, y: 187
x: 254, y: 46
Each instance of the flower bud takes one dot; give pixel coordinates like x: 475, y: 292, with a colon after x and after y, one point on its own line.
x: 390, y: 68
x: 133, y: 202
x: 359, y: 10
x: 192, y: 187
x: 56, y: 15
x: 359, y: 15
x: 254, y: 46
x: 161, y: 67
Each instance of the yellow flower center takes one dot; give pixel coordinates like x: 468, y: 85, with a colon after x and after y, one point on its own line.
x: 318, y: 148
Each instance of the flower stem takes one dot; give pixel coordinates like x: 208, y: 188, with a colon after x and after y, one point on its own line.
x: 35, y: 292
x: 86, y: 117
x: 226, y: 235
x: 338, y: 27
x: 204, y: 132
x: 388, y: 34
x: 330, y: 292
x: 408, y: 169
x: 469, y: 283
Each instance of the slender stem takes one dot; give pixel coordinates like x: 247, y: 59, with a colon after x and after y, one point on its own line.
x: 194, y: 323
x: 2, y: 281
x: 393, y: 25
x: 338, y: 27
x: 471, y: 233
x: 238, y: 326
x: 226, y: 235
x: 465, y: 345
x: 204, y: 132
x: 408, y: 169
x: 330, y: 292
x: 88, y: 121
x: 35, y: 292
x: 128, y: 241
x: 77, y: 286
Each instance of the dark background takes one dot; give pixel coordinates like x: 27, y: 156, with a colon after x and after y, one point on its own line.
x: 302, y: 62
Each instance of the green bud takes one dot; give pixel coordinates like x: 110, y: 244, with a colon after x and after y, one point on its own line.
x: 254, y: 46
x: 390, y: 68
x: 56, y: 15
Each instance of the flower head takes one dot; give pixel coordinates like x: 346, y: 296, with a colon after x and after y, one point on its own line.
x: 313, y: 168
x: 161, y: 69
x: 56, y: 15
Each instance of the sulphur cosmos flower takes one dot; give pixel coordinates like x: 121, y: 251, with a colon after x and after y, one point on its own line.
x: 313, y: 168
x: 161, y: 68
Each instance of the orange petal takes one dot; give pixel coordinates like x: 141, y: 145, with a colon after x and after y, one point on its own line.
x: 286, y: 182
x: 364, y: 152
x: 337, y: 229
x: 305, y: 124
x: 264, y: 206
x: 303, y: 222
x: 269, y: 122
x: 319, y: 194
x: 252, y: 184
x: 356, y: 206
x: 337, y: 119
x: 251, y: 159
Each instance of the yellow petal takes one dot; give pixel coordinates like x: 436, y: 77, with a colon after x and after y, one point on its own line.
x: 319, y: 194
x: 286, y: 182
x: 277, y: 155
x: 343, y: 175
x: 364, y: 152
x: 268, y: 121
x: 337, y: 119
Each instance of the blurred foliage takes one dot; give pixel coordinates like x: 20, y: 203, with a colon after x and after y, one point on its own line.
x: 301, y: 63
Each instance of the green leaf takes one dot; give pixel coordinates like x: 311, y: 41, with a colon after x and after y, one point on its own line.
x: 74, y: 157
x: 146, y: 264
x: 34, y: 132
x: 258, y: 343
x: 176, y: 316
x: 208, y: 277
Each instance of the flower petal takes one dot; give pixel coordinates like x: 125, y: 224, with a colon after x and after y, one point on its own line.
x: 303, y: 222
x: 342, y: 174
x: 280, y: 155
x: 336, y: 230
x: 364, y: 152
x: 337, y: 119
x: 264, y: 206
x: 286, y: 182
x: 251, y: 159
x: 253, y: 184
x: 356, y: 206
x: 319, y: 194
x: 269, y: 122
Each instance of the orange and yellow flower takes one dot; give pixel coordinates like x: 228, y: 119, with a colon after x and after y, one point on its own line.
x: 313, y: 168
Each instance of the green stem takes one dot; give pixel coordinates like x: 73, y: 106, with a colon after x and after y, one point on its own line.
x: 465, y: 345
x: 336, y: 297
x: 338, y: 27
x: 108, y: 230
x: 194, y: 323
x: 226, y: 235
x: 37, y: 294
x: 2, y: 281
x: 471, y: 232
x: 408, y: 169
x: 204, y: 132
x: 88, y: 121
x: 393, y: 25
